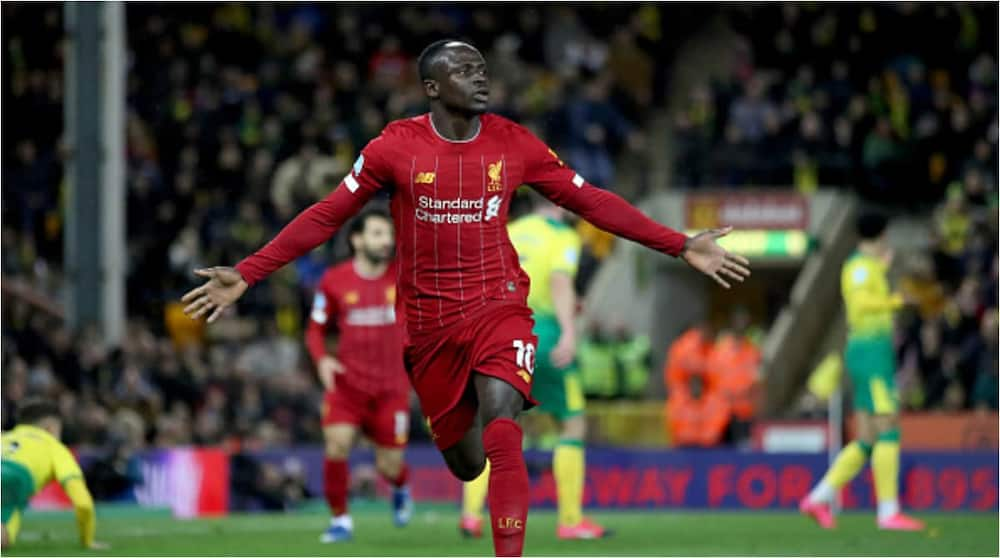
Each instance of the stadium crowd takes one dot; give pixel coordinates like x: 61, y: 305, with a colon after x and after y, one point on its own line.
x: 948, y: 345
x: 241, y: 115
x: 824, y: 95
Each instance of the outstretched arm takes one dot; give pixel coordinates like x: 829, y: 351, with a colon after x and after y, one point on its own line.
x: 607, y: 211
x: 308, y: 230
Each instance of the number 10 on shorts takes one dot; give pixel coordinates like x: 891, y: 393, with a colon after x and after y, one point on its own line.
x: 525, y: 355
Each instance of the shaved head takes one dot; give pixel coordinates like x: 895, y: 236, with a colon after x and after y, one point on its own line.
x: 430, y: 55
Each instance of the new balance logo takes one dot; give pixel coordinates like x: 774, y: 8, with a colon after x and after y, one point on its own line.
x: 424, y: 178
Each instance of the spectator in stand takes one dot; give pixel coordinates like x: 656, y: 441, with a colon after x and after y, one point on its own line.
x: 750, y: 113
x: 301, y: 180
x: 594, y: 130
x: 952, y: 227
x: 693, y: 127
x: 986, y: 363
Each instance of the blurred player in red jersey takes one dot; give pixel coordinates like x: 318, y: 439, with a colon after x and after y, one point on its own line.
x: 468, y: 343
x: 365, y: 382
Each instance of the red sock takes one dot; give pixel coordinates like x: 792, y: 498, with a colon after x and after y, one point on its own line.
x: 401, y: 478
x: 335, y: 485
x: 508, y: 489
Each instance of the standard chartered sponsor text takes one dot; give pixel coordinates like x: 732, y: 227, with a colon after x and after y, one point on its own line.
x: 449, y: 211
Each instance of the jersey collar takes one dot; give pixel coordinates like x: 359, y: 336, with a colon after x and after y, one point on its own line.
x: 479, y: 129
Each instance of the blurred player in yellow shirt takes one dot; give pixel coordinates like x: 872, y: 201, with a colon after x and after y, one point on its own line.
x: 549, y: 252
x: 870, y: 361
x: 32, y: 457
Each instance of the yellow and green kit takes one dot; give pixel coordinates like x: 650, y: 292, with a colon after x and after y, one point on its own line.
x: 32, y: 457
x: 546, y: 246
x: 870, y: 357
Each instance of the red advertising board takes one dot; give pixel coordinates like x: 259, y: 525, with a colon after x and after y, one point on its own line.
x: 950, y: 431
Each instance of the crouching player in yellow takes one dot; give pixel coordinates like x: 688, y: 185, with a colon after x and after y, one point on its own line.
x: 32, y: 457
x: 870, y: 361
x: 549, y: 250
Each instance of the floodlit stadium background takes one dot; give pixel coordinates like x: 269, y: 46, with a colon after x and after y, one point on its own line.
x: 141, y: 141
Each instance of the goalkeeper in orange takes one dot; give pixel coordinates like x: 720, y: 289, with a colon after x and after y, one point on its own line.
x: 32, y: 457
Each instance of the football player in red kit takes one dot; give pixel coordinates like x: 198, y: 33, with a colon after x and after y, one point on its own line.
x: 365, y: 382
x: 468, y: 343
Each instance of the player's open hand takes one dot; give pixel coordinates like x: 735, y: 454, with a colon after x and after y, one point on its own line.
x: 224, y: 286
x: 704, y: 254
x: 564, y: 351
x: 95, y: 545
x: 327, y: 367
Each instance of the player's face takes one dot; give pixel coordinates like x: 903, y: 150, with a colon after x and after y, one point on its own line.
x: 461, y: 82
x: 376, y: 242
x: 883, y: 248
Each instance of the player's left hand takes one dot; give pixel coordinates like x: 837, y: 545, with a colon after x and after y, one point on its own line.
x: 704, y: 254
x: 564, y: 351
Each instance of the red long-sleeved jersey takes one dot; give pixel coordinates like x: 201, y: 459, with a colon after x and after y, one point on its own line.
x: 370, y: 340
x: 449, y: 205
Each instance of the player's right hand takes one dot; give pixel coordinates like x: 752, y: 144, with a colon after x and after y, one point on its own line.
x: 224, y: 286
x: 564, y: 351
x: 95, y: 545
x: 327, y: 367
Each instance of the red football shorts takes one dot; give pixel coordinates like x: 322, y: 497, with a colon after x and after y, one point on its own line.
x: 497, y: 343
x: 383, y: 417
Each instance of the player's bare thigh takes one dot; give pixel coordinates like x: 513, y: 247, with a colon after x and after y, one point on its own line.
x: 497, y: 398
x: 339, y: 438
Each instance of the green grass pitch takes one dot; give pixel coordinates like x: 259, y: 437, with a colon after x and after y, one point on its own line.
x: 434, y: 532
